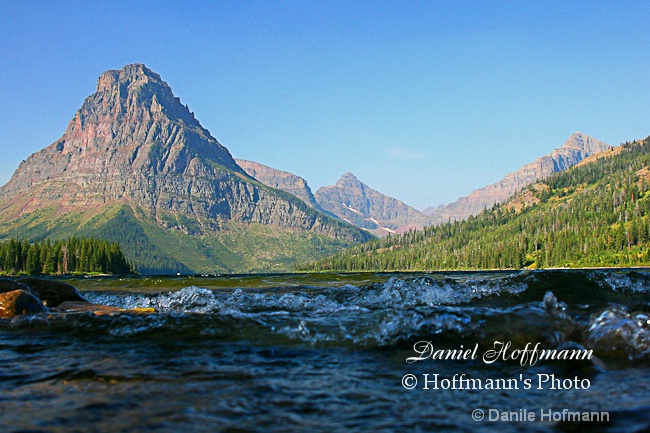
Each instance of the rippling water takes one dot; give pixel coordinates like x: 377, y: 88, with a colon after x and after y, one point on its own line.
x: 328, y: 353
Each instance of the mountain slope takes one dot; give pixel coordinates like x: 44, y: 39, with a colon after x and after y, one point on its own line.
x: 279, y: 179
x: 597, y: 214
x: 354, y: 201
x: 136, y: 166
x: 577, y: 147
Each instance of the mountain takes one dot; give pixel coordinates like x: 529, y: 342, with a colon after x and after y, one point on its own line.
x: 135, y: 166
x: 350, y: 200
x: 357, y: 203
x: 279, y: 179
x: 576, y: 148
x: 595, y: 214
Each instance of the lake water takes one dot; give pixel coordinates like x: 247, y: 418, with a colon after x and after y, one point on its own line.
x: 328, y: 353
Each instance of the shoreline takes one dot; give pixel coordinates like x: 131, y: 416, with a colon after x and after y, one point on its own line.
x: 327, y: 272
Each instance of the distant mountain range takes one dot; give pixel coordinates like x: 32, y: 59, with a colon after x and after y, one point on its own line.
x: 357, y: 203
x: 136, y: 167
x: 576, y: 148
x: 350, y: 199
x: 279, y: 179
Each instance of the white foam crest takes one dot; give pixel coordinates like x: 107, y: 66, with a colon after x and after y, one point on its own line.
x: 635, y: 281
x: 189, y: 299
x: 399, y: 326
x: 398, y: 293
x: 394, y: 293
x: 617, y: 330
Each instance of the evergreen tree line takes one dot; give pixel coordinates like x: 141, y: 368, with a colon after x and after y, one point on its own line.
x: 67, y: 256
x: 597, y: 214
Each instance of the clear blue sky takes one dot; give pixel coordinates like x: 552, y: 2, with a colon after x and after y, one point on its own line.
x: 424, y: 101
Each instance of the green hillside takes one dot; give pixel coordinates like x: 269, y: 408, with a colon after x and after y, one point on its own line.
x: 595, y: 214
x: 236, y: 248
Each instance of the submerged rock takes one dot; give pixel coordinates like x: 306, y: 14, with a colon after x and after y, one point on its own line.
x: 52, y: 293
x: 19, y: 302
x: 32, y: 295
x: 98, y: 309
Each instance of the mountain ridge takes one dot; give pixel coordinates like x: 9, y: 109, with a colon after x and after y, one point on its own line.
x: 279, y: 179
x: 577, y: 147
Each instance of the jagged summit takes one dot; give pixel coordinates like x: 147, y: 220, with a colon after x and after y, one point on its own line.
x: 137, y: 85
x: 576, y: 148
x: 348, y: 175
x: 135, y: 105
x: 356, y: 202
x: 133, y: 73
x: 348, y: 180
x: 581, y: 141
x: 133, y: 143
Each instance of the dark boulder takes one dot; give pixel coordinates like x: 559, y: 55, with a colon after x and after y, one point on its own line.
x: 19, y: 302
x: 52, y: 293
x: 7, y: 285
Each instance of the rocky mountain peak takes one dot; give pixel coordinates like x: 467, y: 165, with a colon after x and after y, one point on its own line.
x: 135, y: 81
x: 134, y: 93
x: 585, y: 143
x: 134, y: 73
x: 348, y: 180
x: 575, y: 140
x: 356, y: 202
x: 129, y: 130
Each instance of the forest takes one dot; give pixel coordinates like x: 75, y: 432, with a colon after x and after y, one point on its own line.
x: 592, y: 215
x: 68, y: 256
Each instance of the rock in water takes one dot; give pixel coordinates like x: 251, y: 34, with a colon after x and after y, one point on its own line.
x: 19, y: 302
x: 52, y: 293
x: 7, y: 285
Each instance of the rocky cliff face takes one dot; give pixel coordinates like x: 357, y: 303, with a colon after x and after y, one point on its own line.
x: 355, y: 202
x: 133, y: 142
x: 577, y: 147
x: 279, y: 179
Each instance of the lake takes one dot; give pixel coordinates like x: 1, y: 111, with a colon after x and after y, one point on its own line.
x: 464, y: 351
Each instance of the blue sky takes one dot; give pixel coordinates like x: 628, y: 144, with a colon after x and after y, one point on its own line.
x: 424, y: 101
